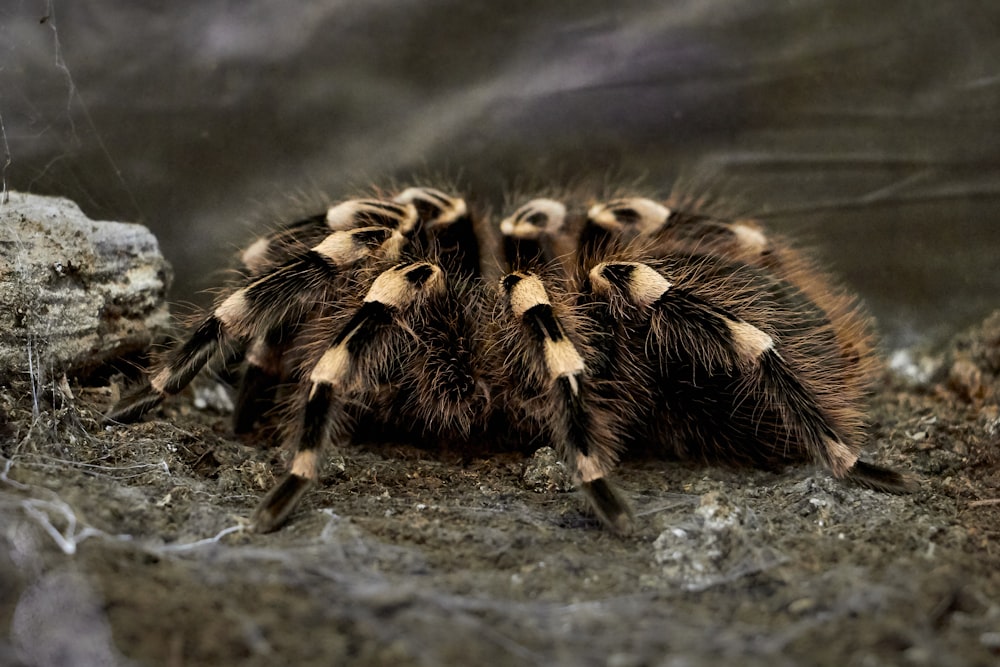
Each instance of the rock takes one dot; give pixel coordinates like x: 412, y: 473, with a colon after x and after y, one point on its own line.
x: 967, y: 379
x: 75, y: 293
x: 545, y: 472
x: 719, y: 543
x: 972, y: 363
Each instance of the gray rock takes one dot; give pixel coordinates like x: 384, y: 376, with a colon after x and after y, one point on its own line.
x: 545, y: 472
x: 721, y: 542
x: 75, y: 293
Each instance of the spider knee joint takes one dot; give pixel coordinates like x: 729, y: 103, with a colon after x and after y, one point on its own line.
x: 356, y: 213
x: 749, y: 341
x: 639, y: 284
x: 537, y: 218
x: 404, y: 284
x: 434, y: 207
x: 635, y: 216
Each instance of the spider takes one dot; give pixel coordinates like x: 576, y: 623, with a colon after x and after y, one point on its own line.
x: 623, y: 324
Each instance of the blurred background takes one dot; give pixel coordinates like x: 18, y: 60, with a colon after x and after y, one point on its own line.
x: 870, y: 130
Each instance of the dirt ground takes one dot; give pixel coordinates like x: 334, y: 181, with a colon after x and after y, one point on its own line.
x: 127, y: 545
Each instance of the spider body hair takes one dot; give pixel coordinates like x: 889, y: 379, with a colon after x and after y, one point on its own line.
x: 624, y: 326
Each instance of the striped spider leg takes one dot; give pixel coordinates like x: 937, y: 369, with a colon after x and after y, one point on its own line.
x: 749, y: 363
x: 700, y: 337
x: 417, y: 216
x: 667, y: 230
x: 404, y: 357
x: 377, y: 346
x: 302, y: 244
x: 288, y: 280
x: 545, y: 348
x: 280, y: 299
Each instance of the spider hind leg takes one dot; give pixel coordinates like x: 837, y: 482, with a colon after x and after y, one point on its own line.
x: 763, y: 394
x: 264, y: 372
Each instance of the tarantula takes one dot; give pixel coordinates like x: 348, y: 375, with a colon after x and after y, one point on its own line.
x: 624, y: 324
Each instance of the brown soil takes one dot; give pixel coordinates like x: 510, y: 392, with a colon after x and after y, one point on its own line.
x: 126, y: 545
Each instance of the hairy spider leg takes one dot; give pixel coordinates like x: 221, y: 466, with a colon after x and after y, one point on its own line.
x: 276, y: 248
x: 574, y: 424
x: 417, y: 215
x: 280, y: 296
x: 673, y: 230
x: 263, y: 373
x: 682, y: 322
x: 446, y: 231
x: 352, y: 365
x: 291, y: 240
x: 630, y: 218
x: 529, y: 231
x: 264, y: 369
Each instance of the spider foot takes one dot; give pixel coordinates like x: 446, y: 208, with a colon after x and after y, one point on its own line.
x: 280, y: 502
x: 882, y: 479
x: 609, y: 505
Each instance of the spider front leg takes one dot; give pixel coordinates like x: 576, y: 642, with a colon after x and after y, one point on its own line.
x: 417, y: 216
x: 356, y: 363
x: 553, y: 378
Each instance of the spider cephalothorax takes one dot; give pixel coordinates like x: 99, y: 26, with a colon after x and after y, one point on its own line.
x: 622, y: 324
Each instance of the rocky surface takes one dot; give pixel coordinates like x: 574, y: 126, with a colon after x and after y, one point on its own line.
x: 74, y: 292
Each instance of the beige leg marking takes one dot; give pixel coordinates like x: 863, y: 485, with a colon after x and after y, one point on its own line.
x: 528, y: 292
x: 637, y: 215
x: 342, y: 249
x: 750, y: 238
x: 159, y: 380
x: 306, y: 464
x: 562, y: 359
x: 537, y: 218
x: 233, y: 310
x: 588, y: 468
x: 561, y: 356
x: 393, y: 288
x: 256, y: 253
x: 750, y: 342
x: 264, y: 357
x: 451, y: 208
x: 645, y: 285
x: 334, y: 366
x: 841, y: 458
x: 361, y: 212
